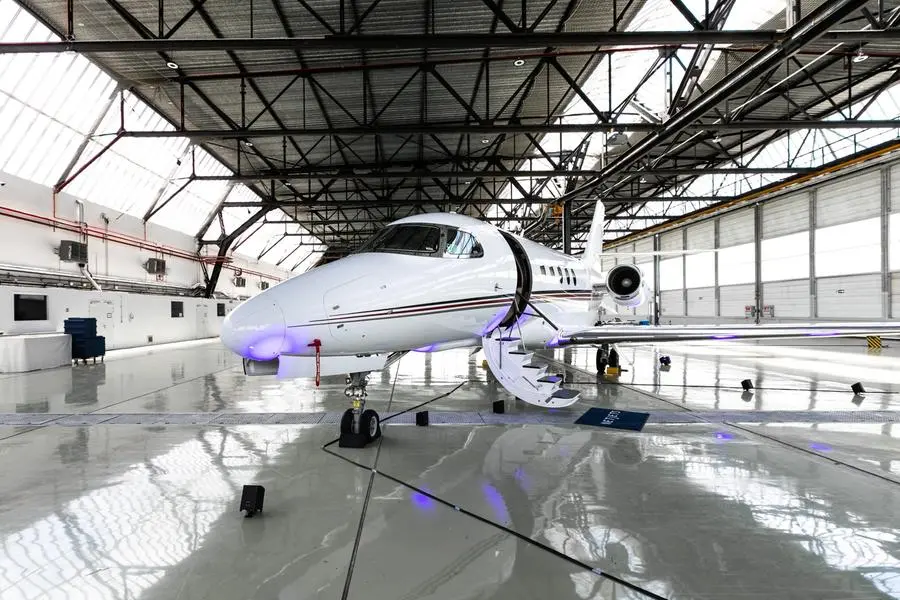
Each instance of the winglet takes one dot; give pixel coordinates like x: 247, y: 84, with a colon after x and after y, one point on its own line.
x: 594, y: 247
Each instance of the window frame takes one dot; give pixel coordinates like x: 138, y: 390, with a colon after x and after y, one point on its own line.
x: 176, y: 309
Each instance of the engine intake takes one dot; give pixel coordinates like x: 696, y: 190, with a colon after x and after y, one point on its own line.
x: 625, y: 284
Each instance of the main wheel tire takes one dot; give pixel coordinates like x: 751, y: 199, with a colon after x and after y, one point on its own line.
x: 613, y: 359
x: 347, y: 421
x: 601, y: 361
x: 370, y: 425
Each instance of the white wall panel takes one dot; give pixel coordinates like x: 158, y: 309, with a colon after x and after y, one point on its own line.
x: 849, y: 248
x: 701, y: 236
x: 736, y: 228
x: 671, y: 273
x: 790, y: 298
x: 733, y: 299
x: 849, y: 199
x: 671, y: 303
x: 895, y: 295
x: 737, y: 264
x: 607, y: 261
x: 672, y: 240
x: 700, y: 270
x: 625, y: 254
x: 135, y: 317
x: 893, y: 248
x: 850, y: 297
x: 785, y: 257
x: 786, y: 215
x: 701, y: 302
x: 643, y: 246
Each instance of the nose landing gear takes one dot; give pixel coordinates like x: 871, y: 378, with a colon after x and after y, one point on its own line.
x: 359, y: 426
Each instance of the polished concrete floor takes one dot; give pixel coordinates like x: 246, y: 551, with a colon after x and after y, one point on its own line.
x: 791, y: 492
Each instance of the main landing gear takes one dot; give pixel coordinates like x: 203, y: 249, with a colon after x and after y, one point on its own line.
x: 606, y: 357
x: 359, y: 427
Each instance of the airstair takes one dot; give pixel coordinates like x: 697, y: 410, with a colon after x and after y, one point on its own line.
x: 521, y: 375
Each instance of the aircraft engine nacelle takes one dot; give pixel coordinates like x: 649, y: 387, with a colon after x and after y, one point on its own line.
x: 625, y: 284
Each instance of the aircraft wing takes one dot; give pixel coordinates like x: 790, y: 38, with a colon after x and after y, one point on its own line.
x: 609, y: 334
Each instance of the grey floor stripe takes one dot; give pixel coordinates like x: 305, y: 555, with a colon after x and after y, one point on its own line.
x: 440, y: 418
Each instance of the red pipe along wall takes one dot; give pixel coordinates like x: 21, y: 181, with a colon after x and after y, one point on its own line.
x: 118, y: 238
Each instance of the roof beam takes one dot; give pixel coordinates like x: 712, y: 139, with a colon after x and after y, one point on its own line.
x: 511, y: 128
x: 808, y: 29
x: 443, y: 41
x: 364, y: 173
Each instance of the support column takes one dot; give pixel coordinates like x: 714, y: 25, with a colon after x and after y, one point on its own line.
x: 757, y: 260
x: 885, y: 242
x: 656, y: 293
x: 718, y: 296
x: 684, y: 294
x: 567, y: 227
x: 813, y: 287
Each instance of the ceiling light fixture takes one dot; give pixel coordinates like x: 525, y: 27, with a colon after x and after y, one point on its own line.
x: 485, y: 141
x: 172, y: 65
x: 860, y: 56
x: 519, y: 62
x: 248, y: 143
x: 717, y: 139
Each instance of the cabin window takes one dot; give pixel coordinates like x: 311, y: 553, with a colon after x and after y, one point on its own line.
x: 543, y: 270
x: 177, y: 309
x: 574, y: 278
x: 460, y: 244
x: 220, y: 309
x: 405, y: 239
x: 568, y: 277
x: 559, y: 270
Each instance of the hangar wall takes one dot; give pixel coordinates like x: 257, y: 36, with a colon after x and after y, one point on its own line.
x: 126, y: 320
x: 31, y: 242
x: 829, y: 250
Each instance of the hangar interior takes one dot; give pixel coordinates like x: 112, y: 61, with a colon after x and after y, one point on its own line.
x: 164, y: 162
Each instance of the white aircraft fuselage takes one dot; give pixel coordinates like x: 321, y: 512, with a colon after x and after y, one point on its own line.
x: 388, y: 300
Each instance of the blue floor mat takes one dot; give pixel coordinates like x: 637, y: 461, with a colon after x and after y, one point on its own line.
x: 616, y: 419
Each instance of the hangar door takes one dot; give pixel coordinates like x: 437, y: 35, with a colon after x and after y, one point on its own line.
x: 671, y: 275
x: 848, y: 247
x: 700, y: 270
x: 785, y: 257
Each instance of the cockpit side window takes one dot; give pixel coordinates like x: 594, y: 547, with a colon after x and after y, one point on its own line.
x: 460, y: 244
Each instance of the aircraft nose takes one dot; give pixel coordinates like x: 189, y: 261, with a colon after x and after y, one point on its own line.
x: 255, y: 329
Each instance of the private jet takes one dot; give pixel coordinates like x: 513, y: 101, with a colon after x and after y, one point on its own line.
x: 441, y: 281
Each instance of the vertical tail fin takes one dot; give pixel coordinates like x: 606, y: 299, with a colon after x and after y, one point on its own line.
x: 594, y: 247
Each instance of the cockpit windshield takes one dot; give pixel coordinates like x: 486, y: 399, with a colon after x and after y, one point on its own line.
x: 424, y: 240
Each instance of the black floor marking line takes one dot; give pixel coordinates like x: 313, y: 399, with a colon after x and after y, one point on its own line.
x: 113, y: 415
x: 751, y: 431
x: 503, y: 528
x: 813, y: 453
x: 374, y: 471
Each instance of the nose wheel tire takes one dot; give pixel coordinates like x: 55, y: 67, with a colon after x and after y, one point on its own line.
x: 369, y: 429
x: 370, y: 425
x: 347, y: 421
